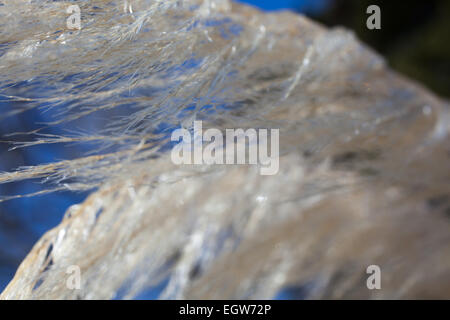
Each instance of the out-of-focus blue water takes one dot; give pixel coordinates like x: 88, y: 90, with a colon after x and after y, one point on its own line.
x: 23, y: 221
x: 305, y: 6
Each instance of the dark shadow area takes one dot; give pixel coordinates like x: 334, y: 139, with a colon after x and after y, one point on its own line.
x: 413, y: 37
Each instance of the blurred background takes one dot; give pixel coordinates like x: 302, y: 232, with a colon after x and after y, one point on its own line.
x: 414, y: 39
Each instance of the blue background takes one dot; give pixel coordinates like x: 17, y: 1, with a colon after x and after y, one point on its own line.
x: 305, y: 6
